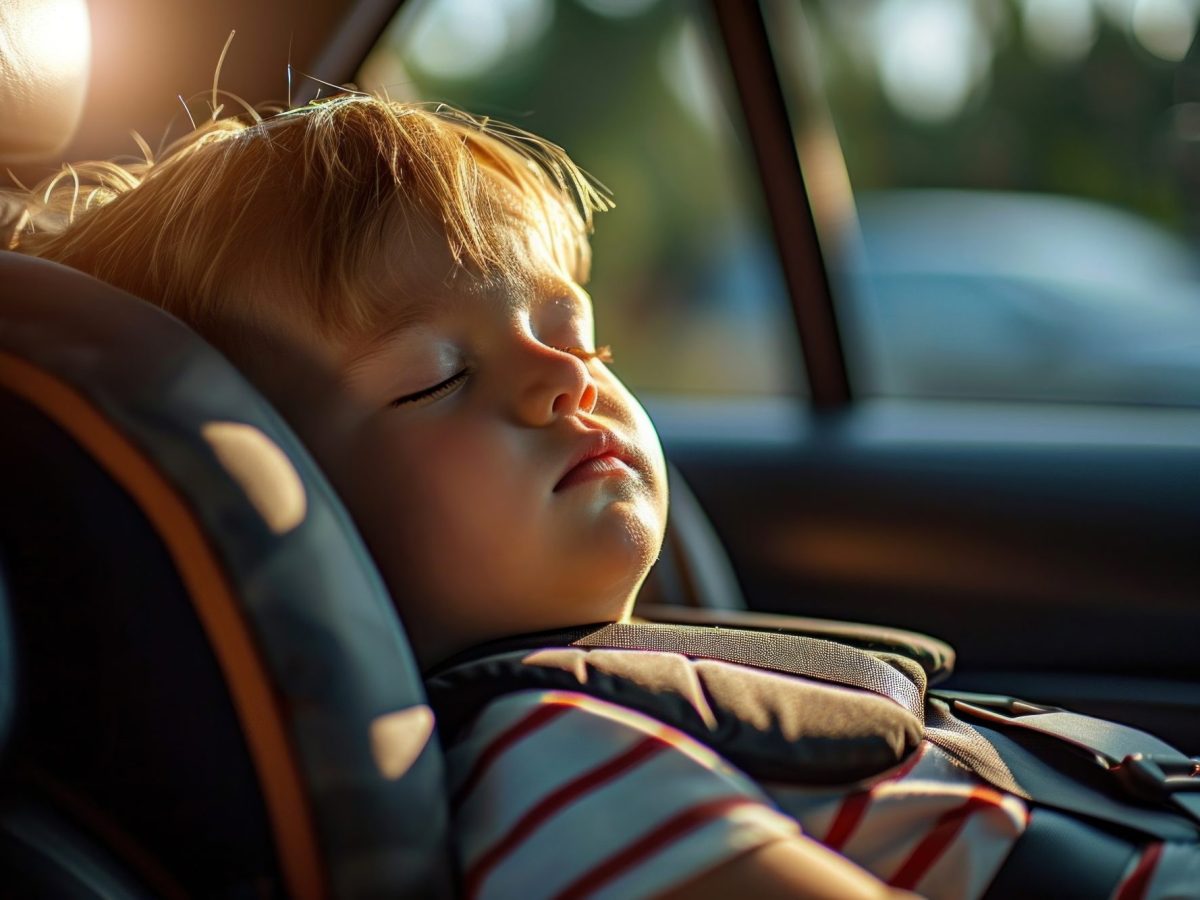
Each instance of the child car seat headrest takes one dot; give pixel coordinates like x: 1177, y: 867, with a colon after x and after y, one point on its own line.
x: 211, y: 673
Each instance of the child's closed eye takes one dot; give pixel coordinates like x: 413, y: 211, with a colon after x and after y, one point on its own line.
x: 442, y: 388
x: 432, y: 393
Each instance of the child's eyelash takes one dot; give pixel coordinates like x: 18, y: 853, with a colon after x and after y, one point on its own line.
x: 603, y: 353
x: 430, y: 393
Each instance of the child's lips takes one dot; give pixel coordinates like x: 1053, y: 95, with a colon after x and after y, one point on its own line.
x: 600, y: 455
x: 596, y: 467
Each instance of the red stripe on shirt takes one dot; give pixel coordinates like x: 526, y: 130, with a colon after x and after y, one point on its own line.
x: 854, y: 806
x: 648, y: 844
x: 555, y: 801
x: 1134, y: 887
x: 540, y: 717
x: 940, y: 837
x: 849, y: 814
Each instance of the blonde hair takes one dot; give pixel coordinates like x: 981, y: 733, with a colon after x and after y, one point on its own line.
x: 308, y: 200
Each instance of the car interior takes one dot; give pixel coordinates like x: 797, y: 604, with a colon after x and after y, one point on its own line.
x: 204, y: 687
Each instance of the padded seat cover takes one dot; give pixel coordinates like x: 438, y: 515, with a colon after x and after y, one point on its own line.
x: 177, y: 561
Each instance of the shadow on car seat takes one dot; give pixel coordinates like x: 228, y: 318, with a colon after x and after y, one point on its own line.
x: 204, y: 687
x: 213, y: 685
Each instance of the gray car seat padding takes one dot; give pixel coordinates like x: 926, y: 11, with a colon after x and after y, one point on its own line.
x: 312, y: 652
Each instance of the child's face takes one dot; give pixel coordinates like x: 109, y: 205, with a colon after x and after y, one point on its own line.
x: 503, y: 483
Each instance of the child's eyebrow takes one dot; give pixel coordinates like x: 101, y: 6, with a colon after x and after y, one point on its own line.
x: 362, y: 355
x: 413, y: 313
x: 423, y: 310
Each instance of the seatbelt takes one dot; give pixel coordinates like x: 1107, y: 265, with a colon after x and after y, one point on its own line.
x: 1140, y: 766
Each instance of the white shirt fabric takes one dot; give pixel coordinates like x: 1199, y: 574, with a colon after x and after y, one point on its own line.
x: 557, y: 794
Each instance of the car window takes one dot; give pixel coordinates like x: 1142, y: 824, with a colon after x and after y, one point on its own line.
x: 685, y: 280
x: 1024, y: 215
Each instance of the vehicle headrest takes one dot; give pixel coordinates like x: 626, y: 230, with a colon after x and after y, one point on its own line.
x: 206, y: 655
x: 45, y: 52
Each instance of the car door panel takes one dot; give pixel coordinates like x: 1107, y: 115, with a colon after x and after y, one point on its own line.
x: 1026, y: 537
x: 1055, y: 549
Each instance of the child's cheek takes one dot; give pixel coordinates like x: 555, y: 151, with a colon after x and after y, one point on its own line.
x: 467, y: 466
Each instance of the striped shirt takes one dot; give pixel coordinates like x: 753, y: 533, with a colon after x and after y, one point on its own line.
x: 557, y: 794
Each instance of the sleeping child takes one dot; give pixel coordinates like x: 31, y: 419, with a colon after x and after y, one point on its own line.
x: 405, y: 284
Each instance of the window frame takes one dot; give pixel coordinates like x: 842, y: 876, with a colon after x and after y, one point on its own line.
x: 761, y: 108
x: 768, y: 126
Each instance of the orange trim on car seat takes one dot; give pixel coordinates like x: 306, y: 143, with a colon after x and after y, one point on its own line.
x: 207, y: 585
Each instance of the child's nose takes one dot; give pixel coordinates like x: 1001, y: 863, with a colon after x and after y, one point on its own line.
x: 558, y: 384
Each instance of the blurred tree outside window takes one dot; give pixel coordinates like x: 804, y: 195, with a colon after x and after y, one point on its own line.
x: 1026, y: 191
x: 685, y: 280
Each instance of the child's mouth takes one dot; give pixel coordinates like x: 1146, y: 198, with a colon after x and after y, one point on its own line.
x: 599, y: 455
x: 592, y: 468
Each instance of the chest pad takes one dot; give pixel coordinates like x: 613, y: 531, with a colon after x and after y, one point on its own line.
x: 773, y: 726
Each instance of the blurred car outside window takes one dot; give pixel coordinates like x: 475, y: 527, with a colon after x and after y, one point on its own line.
x: 1018, y: 211
x: 685, y: 282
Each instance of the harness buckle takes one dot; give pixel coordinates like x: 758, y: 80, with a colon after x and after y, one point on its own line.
x: 991, y: 705
x: 1158, y: 777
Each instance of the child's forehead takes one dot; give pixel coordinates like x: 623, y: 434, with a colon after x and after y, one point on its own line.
x: 415, y: 276
x: 545, y: 293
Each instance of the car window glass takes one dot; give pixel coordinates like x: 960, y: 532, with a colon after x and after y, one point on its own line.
x: 685, y: 280
x: 1026, y: 190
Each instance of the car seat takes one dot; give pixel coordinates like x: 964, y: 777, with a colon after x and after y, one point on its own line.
x: 204, y: 688
x: 211, y: 681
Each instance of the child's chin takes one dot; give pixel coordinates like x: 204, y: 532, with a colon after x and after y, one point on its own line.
x: 622, y: 545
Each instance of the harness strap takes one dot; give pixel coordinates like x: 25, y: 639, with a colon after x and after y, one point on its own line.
x: 969, y: 747
x: 994, y: 757
x: 887, y: 675
x: 1085, y: 766
x: 794, y: 654
x: 1140, y: 765
x: 1078, y: 786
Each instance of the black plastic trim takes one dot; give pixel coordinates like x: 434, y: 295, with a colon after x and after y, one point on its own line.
x: 745, y: 37
x: 340, y: 56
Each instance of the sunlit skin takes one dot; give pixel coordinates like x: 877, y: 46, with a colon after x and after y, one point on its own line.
x: 456, y: 441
